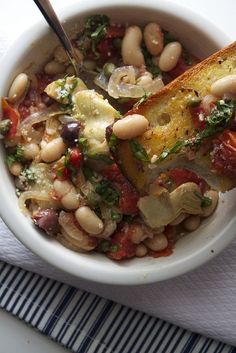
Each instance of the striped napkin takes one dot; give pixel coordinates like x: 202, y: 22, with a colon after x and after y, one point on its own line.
x: 86, y: 323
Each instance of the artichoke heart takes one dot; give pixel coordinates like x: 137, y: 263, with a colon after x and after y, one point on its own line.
x: 97, y: 114
x: 160, y: 210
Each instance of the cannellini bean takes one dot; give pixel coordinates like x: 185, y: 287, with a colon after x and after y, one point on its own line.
x: 61, y: 187
x: 31, y: 150
x: 88, y: 220
x: 214, y: 196
x: 225, y: 85
x: 141, y: 250
x: 70, y: 201
x: 70, y: 70
x: 131, y: 47
x: 60, y: 55
x: 131, y: 126
x: 208, y: 102
x: 137, y: 234
x: 54, y: 68
x: 90, y: 64
x: 53, y: 150
x: 192, y: 223
x: 18, y: 88
x: 153, y: 38
x: 178, y: 219
x: 170, y: 56
x: 157, y: 243
x: 16, y: 168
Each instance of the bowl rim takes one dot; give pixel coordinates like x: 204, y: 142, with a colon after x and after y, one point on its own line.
x: 127, y: 276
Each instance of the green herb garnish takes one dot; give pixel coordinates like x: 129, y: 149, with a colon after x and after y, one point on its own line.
x: 215, y: 122
x: 112, y: 142
x: 138, y: 151
x: 100, y: 157
x: 29, y: 175
x: 64, y: 91
x: 116, y: 216
x: 95, y: 29
x: 108, y: 194
x: 16, y: 156
x: 151, y: 67
x: 205, y: 201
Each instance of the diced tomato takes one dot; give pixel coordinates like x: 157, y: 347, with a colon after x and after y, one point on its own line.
x: 183, y: 65
x: 125, y: 247
x: 106, y: 49
x: 115, y: 31
x: 76, y: 157
x: 198, y: 115
x: 43, y: 81
x: 181, y: 176
x: 128, y: 195
x: 224, y: 153
x: 13, y: 115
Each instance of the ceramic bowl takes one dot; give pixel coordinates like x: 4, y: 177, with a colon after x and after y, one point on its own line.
x: 32, y: 50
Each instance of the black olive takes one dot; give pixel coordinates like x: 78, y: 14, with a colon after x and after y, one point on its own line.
x: 47, y: 219
x: 70, y: 133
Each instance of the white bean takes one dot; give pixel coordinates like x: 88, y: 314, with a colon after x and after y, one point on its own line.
x: 31, y: 150
x: 90, y: 64
x: 60, y: 55
x: 178, y: 219
x: 16, y: 168
x: 54, y: 68
x: 53, y: 150
x: 225, y: 85
x: 18, y: 88
x: 61, y: 187
x: 170, y: 56
x: 192, y: 223
x: 70, y: 201
x: 131, y: 126
x: 88, y: 220
x: 137, y: 234
x: 141, y: 250
x: 70, y: 70
x: 157, y: 243
x: 214, y: 196
x: 131, y: 47
x: 153, y: 38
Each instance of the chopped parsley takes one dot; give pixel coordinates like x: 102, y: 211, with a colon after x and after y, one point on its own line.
x: 100, y: 157
x: 95, y: 29
x: 29, y: 175
x: 138, y: 151
x: 108, y: 194
x: 150, y: 66
x: 16, y: 156
x: 215, y: 122
x: 64, y: 90
x: 205, y: 201
x: 112, y: 142
x: 116, y: 216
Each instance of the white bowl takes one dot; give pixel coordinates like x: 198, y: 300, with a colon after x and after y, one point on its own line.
x: 34, y: 46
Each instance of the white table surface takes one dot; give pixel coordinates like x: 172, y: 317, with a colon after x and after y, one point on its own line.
x: 15, y: 17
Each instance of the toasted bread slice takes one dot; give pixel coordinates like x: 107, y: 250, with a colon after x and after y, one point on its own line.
x: 171, y: 102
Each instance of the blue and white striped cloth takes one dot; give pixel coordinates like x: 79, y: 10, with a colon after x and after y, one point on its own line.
x: 86, y: 323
